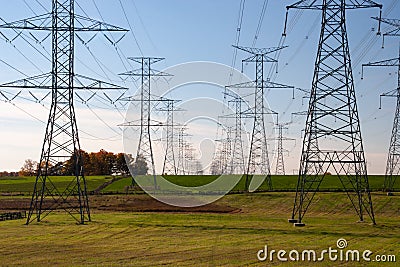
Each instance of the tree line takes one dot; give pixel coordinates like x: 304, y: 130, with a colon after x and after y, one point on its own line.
x: 94, y: 163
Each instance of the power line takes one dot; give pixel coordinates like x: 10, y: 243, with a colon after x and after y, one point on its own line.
x: 260, y: 21
x: 40, y: 4
x: 143, y: 25
x: 130, y: 27
x: 237, y: 38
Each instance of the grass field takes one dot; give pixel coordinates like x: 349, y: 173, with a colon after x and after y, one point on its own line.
x: 279, y: 183
x: 203, y: 239
x: 24, y: 185
x: 172, y: 238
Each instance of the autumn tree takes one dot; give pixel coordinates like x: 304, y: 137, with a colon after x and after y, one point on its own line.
x: 29, y: 168
x: 120, y: 163
x: 69, y: 165
x: 94, y: 163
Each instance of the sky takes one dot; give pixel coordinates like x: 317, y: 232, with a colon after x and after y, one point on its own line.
x: 186, y: 31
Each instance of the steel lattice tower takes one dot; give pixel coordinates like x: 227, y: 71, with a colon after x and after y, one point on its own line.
x: 145, y: 148
x: 181, y: 152
x: 169, y: 166
x: 236, y: 162
x: 280, y: 163
x: 258, y: 160
x: 226, y: 152
x: 61, y: 141
x: 393, y: 160
x: 332, y: 140
x: 181, y: 170
x: 188, y: 157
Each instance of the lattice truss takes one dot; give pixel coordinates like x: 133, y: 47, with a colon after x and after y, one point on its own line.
x: 393, y: 160
x: 332, y: 141
x: 61, y: 151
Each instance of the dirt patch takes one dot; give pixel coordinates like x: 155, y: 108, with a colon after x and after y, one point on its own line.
x: 144, y: 203
x: 14, y: 204
x: 128, y: 203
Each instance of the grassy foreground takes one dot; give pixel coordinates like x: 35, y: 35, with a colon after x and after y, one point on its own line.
x: 203, y: 239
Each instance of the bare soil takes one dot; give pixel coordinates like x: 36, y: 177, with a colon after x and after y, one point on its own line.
x: 127, y: 203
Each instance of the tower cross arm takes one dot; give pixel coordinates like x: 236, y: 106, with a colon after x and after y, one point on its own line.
x: 40, y: 22
x: 88, y: 24
x: 85, y: 83
x: 44, y: 23
x: 383, y: 63
x: 139, y: 73
x: 259, y: 51
x: 266, y: 84
x: 44, y: 81
x: 395, y: 23
x: 146, y: 69
x: 391, y: 22
x: 393, y: 93
x: 260, y: 57
x: 138, y: 123
x: 149, y: 60
x: 319, y: 4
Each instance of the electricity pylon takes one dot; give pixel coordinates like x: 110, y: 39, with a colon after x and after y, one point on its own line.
x: 189, y: 158
x: 225, y: 152
x: 181, y: 170
x: 258, y: 160
x: 332, y: 139
x: 236, y: 162
x: 280, y: 163
x: 145, y: 148
x: 393, y: 160
x: 61, y: 151
x: 169, y: 166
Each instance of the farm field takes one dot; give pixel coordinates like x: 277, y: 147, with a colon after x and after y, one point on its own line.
x: 24, y: 185
x: 279, y: 183
x: 136, y: 230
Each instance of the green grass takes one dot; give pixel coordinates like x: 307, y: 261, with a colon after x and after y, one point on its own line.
x: 25, y: 185
x: 118, y: 186
x: 279, y: 183
x: 193, y: 239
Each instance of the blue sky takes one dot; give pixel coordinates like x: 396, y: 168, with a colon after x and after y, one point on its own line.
x: 184, y: 31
